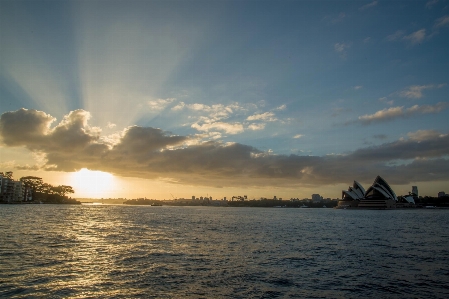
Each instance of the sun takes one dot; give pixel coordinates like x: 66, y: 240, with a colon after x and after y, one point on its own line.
x: 92, y: 184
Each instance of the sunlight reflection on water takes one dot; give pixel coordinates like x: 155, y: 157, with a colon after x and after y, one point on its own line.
x: 171, y: 252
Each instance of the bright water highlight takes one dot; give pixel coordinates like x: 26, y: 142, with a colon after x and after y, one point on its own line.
x: 58, y: 251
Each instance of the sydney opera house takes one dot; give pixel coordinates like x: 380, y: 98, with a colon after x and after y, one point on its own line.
x: 378, y: 196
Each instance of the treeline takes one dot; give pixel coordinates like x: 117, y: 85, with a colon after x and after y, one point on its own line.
x: 142, y: 201
x: 442, y: 201
x: 47, y: 193
x: 34, y: 189
x: 269, y: 203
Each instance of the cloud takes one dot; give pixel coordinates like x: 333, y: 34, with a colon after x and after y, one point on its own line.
x: 389, y: 114
x: 151, y: 153
x: 369, y: 5
x: 8, y: 165
x: 298, y: 136
x: 357, y: 87
x: 267, y: 116
x: 25, y: 127
x: 210, y: 118
x: 110, y: 125
x: 256, y: 127
x: 424, y: 135
x: 160, y: 104
x: 385, y: 100
x: 385, y: 114
x: 282, y: 107
x: 229, y: 128
x: 427, y: 108
x: 413, y: 38
x: 178, y: 107
x: 431, y: 3
x: 442, y: 22
x: 214, y: 112
x: 341, y: 47
x: 416, y: 37
x: 396, y: 36
x: 415, y: 91
x: 420, y: 144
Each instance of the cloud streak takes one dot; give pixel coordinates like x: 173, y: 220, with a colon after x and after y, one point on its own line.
x: 151, y: 153
x: 342, y: 48
x: 442, y: 22
x: 392, y: 113
x: 415, y: 91
x: 368, y: 6
x: 413, y: 38
x: 416, y: 37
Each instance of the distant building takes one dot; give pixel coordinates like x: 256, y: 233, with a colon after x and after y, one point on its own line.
x: 316, y: 198
x: 415, y: 190
x: 441, y: 194
x: 19, y: 191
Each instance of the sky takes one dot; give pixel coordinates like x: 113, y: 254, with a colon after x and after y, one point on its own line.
x: 169, y: 99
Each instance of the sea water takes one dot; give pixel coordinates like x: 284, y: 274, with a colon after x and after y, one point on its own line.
x: 116, y: 251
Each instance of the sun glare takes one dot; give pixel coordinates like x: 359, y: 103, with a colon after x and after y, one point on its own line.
x: 94, y: 184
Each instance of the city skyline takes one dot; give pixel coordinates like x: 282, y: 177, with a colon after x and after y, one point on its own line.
x: 286, y: 98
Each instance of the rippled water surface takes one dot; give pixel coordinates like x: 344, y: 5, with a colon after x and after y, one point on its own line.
x: 57, y: 251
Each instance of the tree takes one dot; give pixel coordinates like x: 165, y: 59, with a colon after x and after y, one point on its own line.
x: 46, y: 192
x: 47, y: 189
x: 7, y: 174
x: 32, y: 182
x: 62, y: 190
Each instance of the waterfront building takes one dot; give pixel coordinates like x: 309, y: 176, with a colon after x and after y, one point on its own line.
x: 19, y: 191
x: 415, y: 190
x: 316, y: 198
x: 10, y: 190
x: 441, y: 194
x: 405, y: 201
x: 352, y: 196
x: 7, y: 191
x: 378, y: 196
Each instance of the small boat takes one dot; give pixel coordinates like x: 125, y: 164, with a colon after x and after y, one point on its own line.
x: 156, y: 205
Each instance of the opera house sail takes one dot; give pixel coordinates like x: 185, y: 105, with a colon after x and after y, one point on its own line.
x: 379, y: 196
x: 352, y: 196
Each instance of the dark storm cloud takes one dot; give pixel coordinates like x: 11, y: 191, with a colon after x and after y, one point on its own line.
x: 152, y: 153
